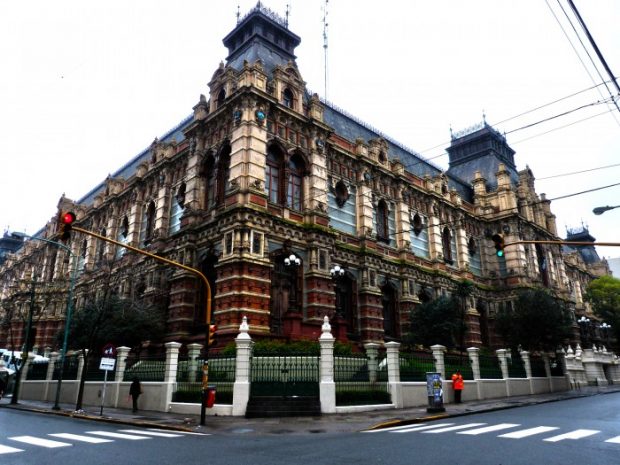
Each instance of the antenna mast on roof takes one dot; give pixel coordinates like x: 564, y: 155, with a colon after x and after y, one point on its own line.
x: 238, y: 13
x: 288, y: 7
x: 325, y: 46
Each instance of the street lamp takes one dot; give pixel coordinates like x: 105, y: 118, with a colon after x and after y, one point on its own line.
x: 292, y: 259
x: 605, y: 330
x: 584, y: 326
x: 69, y: 307
x: 601, y: 210
x: 337, y: 272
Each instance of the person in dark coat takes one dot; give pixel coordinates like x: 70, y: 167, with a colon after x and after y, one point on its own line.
x: 134, y: 391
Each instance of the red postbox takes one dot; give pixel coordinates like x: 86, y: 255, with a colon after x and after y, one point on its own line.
x: 211, y: 396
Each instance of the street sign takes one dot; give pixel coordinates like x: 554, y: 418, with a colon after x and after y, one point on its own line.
x: 109, y: 351
x: 107, y: 364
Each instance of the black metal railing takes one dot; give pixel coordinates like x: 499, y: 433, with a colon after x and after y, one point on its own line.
x: 490, y: 367
x: 356, y: 384
x: 454, y: 362
x: 415, y: 365
x: 151, y: 368
x: 37, y: 371
x: 285, y: 375
x: 516, y: 367
x: 189, y: 379
x: 93, y: 373
x: 538, y: 367
x: 70, y: 369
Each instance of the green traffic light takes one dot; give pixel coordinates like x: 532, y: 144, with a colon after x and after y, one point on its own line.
x: 500, y: 253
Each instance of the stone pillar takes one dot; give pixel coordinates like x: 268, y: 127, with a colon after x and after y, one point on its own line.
x: 121, y: 362
x: 80, y: 368
x: 525, y: 356
x: 393, y: 370
x: 47, y: 351
x: 474, y: 358
x: 502, y: 355
x: 49, y: 376
x: 440, y: 366
x: 241, y: 388
x: 23, y: 375
x: 327, y: 385
x: 372, y: 351
x: 193, y: 352
x: 170, y: 374
x: 561, y: 359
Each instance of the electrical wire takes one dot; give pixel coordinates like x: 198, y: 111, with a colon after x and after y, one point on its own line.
x: 578, y: 172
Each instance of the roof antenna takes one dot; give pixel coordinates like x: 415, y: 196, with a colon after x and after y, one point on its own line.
x: 287, y: 13
x: 325, y: 45
x: 238, y: 13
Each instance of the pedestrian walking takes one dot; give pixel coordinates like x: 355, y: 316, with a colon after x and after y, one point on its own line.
x: 134, y: 391
x: 457, y: 385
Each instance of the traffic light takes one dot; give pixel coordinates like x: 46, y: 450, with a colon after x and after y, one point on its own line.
x: 212, y: 329
x: 498, y: 241
x: 66, y: 220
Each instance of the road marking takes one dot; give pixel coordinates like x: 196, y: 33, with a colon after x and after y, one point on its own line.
x: 422, y: 428
x: 110, y: 434
x: 391, y: 428
x: 577, y: 434
x: 488, y: 429
x: 40, y: 442
x: 615, y: 440
x: 151, y: 433
x: 528, y: 432
x: 9, y: 450
x: 77, y: 437
x: 453, y: 428
x: 180, y: 432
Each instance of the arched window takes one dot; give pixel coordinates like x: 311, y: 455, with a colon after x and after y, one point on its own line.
x: 223, y: 174
x: 446, y: 239
x: 122, y: 236
x: 288, y: 98
x: 221, y: 96
x: 273, y: 175
x: 294, y: 188
x: 208, y: 172
x: 148, y: 223
x: 382, y: 222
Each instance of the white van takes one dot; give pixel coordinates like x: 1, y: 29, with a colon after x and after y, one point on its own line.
x: 13, y: 360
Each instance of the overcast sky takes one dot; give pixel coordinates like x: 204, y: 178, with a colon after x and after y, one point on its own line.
x: 87, y: 85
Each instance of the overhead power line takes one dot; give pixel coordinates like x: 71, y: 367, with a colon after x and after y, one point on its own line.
x: 578, y: 172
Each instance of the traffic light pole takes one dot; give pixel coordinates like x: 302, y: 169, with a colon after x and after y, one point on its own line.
x: 606, y: 244
x: 205, y: 367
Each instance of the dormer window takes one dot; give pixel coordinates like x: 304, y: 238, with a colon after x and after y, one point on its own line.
x: 288, y: 99
x: 221, y: 96
x: 382, y: 156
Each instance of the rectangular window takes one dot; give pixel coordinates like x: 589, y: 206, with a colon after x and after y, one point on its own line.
x: 257, y: 243
x: 342, y: 218
x: 419, y: 241
x: 272, y: 174
x: 176, y: 212
x: 475, y: 263
x: 228, y: 243
x: 294, y: 192
x: 322, y: 259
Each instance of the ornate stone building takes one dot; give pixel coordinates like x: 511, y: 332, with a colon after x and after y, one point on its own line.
x: 266, y: 188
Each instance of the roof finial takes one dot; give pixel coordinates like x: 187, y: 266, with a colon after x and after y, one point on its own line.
x: 484, y: 117
x: 288, y: 8
x: 238, y: 13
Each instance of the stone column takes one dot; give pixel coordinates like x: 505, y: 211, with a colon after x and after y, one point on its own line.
x: 502, y: 355
x: 327, y: 385
x: 23, y: 375
x: 241, y: 388
x: 440, y: 366
x: 49, y: 376
x: 525, y: 356
x: 170, y: 374
x: 372, y: 351
x: 393, y: 370
x: 474, y: 358
x: 193, y: 352
x: 121, y: 362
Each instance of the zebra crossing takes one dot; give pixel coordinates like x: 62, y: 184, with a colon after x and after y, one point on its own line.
x: 12, y: 444
x: 545, y: 433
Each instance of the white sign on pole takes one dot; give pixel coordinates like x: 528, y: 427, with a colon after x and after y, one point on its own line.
x: 107, y: 364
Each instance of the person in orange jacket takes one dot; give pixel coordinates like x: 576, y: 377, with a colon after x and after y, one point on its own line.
x: 457, y: 385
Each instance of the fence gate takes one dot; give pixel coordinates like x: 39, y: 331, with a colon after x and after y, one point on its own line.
x: 284, y: 376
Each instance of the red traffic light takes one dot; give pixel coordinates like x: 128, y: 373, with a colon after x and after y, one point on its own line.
x: 65, y: 220
x: 211, y: 336
x: 68, y: 218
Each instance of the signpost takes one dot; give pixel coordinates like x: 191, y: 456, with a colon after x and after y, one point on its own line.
x: 108, y: 362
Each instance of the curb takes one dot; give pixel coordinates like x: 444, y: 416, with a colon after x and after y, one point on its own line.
x: 103, y: 419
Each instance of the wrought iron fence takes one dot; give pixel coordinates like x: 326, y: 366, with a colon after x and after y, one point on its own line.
x: 285, y: 375
x: 93, y: 373
x: 460, y: 362
x: 151, y: 368
x: 189, y: 379
x: 356, y: 384
x: 415, y: 365
x: 556, y: 367
x: 37, y: 371
x: 489, y: 367
x: 70, y: 369
x: 538, y: 366
x: 516, y: 367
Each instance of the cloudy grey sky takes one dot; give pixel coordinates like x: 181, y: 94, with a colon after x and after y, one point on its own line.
x: 87, y: 85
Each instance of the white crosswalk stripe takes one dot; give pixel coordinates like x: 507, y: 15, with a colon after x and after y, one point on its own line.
x: 391, y: 428
x: 524, y: 433
x: 79, y: 437
x: 454, y: 428
x: 422, y: 428
x: 110, y: 434
x: 577, y: 434
x: 151, y: 433
x: 9, y: 450
x: 615, y: 440
x: 40, y: 441
x: 489, y: 429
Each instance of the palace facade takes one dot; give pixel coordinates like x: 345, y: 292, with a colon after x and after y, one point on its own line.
x: 293, y: 210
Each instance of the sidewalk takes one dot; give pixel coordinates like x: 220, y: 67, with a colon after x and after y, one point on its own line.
x: 329, y: 423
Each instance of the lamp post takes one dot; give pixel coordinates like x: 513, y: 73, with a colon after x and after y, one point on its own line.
x: 337, y: 272
x: 69, y: 308
x: 584, y: 329
x: 601, y: 210
x: 605, y: 329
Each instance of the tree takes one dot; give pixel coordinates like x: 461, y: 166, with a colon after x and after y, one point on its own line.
x: 435, y: 322
x: 537, y: 321
x: 604, y: 294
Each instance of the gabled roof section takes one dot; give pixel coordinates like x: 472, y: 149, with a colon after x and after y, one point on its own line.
x: 129, y: 169
x: 351, y: 128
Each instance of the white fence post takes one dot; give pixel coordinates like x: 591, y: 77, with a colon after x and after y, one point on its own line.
x: 393, y: 368
x: 241, y: 388
x: 170, y: 374
x: 327, y: 386
x: 440, y: 364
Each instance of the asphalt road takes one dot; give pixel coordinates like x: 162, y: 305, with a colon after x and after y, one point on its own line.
x: 583, y: 431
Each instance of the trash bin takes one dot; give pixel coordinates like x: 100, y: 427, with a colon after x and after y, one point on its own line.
x: 211, y: 396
